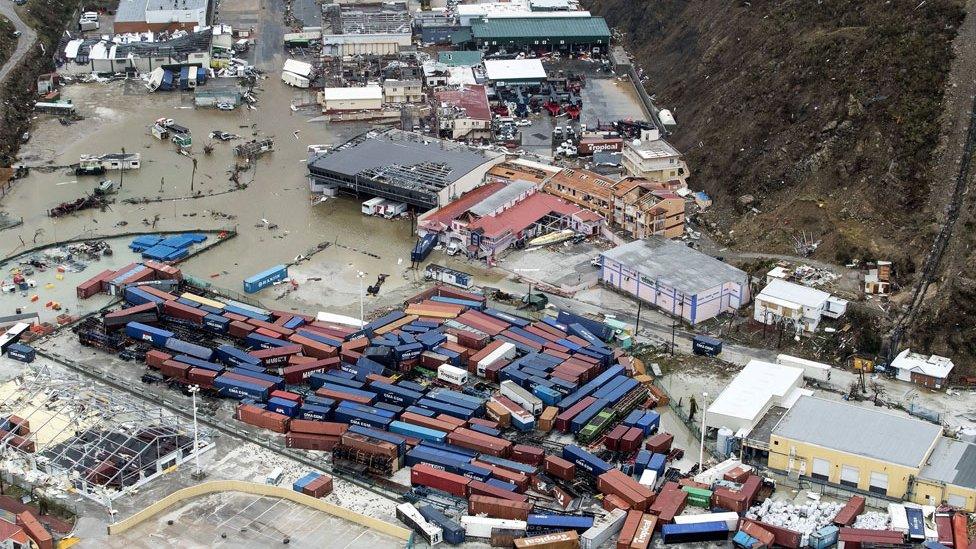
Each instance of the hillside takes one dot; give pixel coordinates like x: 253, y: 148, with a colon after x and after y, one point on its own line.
x: 826, y: 112
x: 833, y: 115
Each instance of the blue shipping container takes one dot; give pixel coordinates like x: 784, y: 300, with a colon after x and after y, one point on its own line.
x: 145, y: 332
x: 232, y: 356
x: 701, y: 531
x: 315, y: 412
x: 561, y: 522
x: 265, y: 278
x: 423, y: 247
x: 282, y: 406
x: 453, y: 532
x: 587, y: 461
x: 21, y: 352
x: 240, y: 389
x: 416, y: 431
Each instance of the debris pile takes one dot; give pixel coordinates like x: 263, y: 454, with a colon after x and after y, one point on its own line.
x: 805, y: 519
x: 872, y: 520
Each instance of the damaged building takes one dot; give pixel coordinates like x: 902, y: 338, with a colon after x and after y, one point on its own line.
x: 160, y: 15
x: 121, y: 55
x: 463, y: 114
x: 403, y: 166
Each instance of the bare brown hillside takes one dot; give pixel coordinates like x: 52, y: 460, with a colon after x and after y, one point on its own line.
x: 844, y: 119
x: 826, y: 111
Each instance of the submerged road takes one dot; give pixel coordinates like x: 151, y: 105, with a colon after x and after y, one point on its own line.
x: 24, y: 43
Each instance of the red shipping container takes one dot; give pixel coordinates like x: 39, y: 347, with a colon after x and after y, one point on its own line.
x: 94, y: 284
x: 276, y: 355
x: 267, y: 333
x: 498, y: 507
x: 286, y: 395
x: 851, y: 510
x: 660, y: 443
x: 785, y: 537
x: 162, y: 270
x: 202, y: 377
x: 234, y: 317
x: 736, y: 474
x: 21, y: 443
x: 171, y: 368
x: 456, y: 422
x: 532, y: 455
x: 152, y: 290
x: 487, y: 350
x: 314, y: 348
x: 318, y: 488
x: 428, y: 422
x: 520, y: 480
x: 612, y: 439
x: 611, y: 502
x: 239, y: 329
x: 943, y: 528
x: 645, y: 532
x: 960, y: 530
x: 336, y: 395
x: 559, y: 467
x: 270, y: 326
x: 298, y: 373
x: 750, y: 488
x: 763, y: 535
x: 241, y: 377
x: 19, y: 425
x: 350, y: 356
x: 631, y: 440
x: 155, y: 359
x: 357, y: 344
x: 318, y: 427
x: 481, y: 488
x: 535, y: 346
x: 563, y: 419
x: 263, y: 418
x: 729, y: 499
x: 483, y: 422
x: 425, y: 475
x: 473, y: 440
x: 300, y: 359
x: 534, y: 330
x: 184, y: 312
x: 491, y: 371
x: 627, y: 533
x: 306, y: 441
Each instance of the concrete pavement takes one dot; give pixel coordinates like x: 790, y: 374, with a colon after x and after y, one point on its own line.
x: 24, y: 43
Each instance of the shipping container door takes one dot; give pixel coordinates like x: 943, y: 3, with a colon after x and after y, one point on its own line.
x: 850, y: 476
x: 879, y: 483
x: 821, y: 469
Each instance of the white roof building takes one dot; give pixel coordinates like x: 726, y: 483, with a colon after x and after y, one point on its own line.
x: 930, y: 371
x: 515, y: 71
x: 300, y: 68
x: 800, y: 305
x: 757, y: 388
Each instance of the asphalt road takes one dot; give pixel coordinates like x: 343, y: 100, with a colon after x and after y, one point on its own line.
x: 26, y: 41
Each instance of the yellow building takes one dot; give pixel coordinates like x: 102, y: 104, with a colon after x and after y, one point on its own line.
x: 873, y: 451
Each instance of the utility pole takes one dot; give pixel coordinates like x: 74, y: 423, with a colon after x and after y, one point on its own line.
x: 122, y: 168
x: 701, y: 449
x: 193, y: 175
x: 361, y: 275
x: 640, y: 303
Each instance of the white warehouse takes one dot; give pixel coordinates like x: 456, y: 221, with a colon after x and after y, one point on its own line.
x: 365, y: 98
x: 757, y: 388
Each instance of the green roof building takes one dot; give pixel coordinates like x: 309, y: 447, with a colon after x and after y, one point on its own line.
x: 556, y: 33
x: 460, y: 58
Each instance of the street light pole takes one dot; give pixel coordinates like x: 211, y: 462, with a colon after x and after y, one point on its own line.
x: 194, y: 389
x: 701, y: 449
x: 361, y: 275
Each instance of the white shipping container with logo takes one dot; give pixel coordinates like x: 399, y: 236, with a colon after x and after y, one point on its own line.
x: 452, y: 375
x: 481, y: 527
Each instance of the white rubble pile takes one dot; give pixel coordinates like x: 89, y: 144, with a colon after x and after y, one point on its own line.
x: 805, y: 519
x: 872, y: 520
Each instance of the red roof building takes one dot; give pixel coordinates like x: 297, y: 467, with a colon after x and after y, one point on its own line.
x: 463, y: 113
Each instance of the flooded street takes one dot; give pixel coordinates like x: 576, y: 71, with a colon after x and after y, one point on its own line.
x: 118, y: 115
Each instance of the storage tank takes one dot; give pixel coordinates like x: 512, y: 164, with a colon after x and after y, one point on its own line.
x: 724, y: 441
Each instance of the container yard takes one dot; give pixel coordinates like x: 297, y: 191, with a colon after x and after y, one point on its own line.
x: 483, y: 426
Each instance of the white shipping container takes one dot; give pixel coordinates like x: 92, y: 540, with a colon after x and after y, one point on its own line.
x: 293, y: 79
x: 522, y: 397
x: 714, y: 474
x: 480, y: 527
x: 274, y: 477
x: 811, y: 369
x: 409, y: 515
x: 648, y: 478
x: 450, y: 374
x: 729, y: 518
x: 898, y: 518
x: 604, y: 529
x: 369, y: 206
x: 505, y: 352
x: 332, y: 318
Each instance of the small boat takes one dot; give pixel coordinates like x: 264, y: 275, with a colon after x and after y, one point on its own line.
x: 552, y: 238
